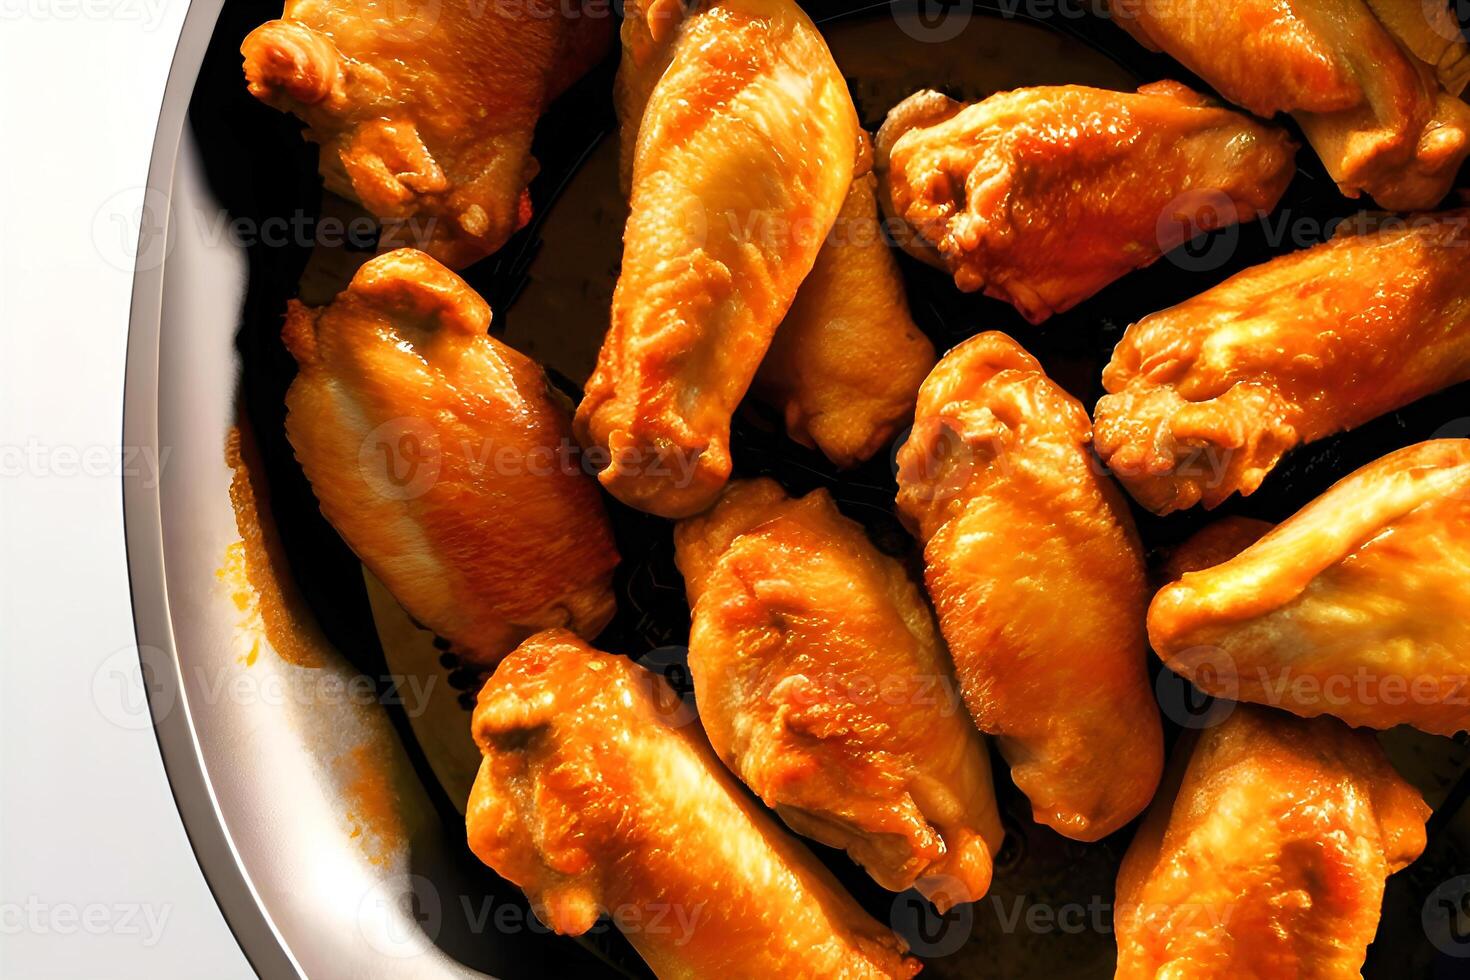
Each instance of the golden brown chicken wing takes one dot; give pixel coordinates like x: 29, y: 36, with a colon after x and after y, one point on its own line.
x: 424, y: 112
x: 823, y: 683
x: 1265, y: 854
x: 445, y: 460
x: 1205, y: 397
x: 743, y: 157
x: 594, y: 801
x: 1375, y: 84
x: 846, y: 364
x: 1043, y: 196
x: 1348, y: 608
x: 1037, y: 574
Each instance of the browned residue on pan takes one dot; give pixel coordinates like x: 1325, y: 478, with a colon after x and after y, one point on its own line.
x: 257, y: 564
x: 373, y: 814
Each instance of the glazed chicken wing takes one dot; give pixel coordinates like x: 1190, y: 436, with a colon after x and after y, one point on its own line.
x: 823, y: 683
x: 743, y: 157
x: 1043, y: 196
x: 1264, y: 856
x: 1352, y: 607
x: 1037, y: 574
x: 1205, y: 397
x: 1375, y: 84
x: 445, y: 460
x: 425, y: 112
x: 846, y: 364
x: 592, y: 799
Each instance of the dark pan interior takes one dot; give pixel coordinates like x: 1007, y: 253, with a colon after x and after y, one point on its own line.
x: 259, y: 167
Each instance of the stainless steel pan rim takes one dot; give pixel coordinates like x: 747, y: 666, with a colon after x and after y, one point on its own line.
x: 224, y: 871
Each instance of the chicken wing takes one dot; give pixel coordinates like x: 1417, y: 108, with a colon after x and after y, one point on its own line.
x: 1265, y: 854
x: 846, y: 364
x: 1344, y: 608
x: 1043, y: 196
x: 1205, y: 397
x: 445, y: 460
x: 594, y: 801
x: 823, y: 683
x: 424, y: 112
x: 743, y: 157
x: 1375, y: 84
x: 1037, y: 574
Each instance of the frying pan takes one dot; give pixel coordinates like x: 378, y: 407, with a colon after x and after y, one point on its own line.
x: 323, y: 798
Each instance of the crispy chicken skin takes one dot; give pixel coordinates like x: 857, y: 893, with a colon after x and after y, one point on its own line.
x: 1037, y: 574
x: 743, y: 158
x: 1349, y: 607
x: 592, y: 800
x: 425, y: 112
x: 1211, y: 545
x: 846, y: 364
x: 1043, y: 196
x: 823, y: 683
x: 442, y: 458
x: 1264, y: 856
x: 1205, y: 397
x: 1375, y: 84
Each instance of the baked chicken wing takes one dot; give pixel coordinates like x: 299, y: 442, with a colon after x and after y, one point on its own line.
x: 743, y: 157
x: 1264, y: 856
x: 1043, y: 196
x: 445, y: 460
x: 1375, y: 84
x: 594, y: 801
x: 846, y: 364
x: 425, y: 112
x: 1351, y: 607
x: 823, y: 683
x: 1205, y: 397
x: 1037, y: 574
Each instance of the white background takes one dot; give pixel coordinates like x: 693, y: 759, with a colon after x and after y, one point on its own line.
x: 97, y: 880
